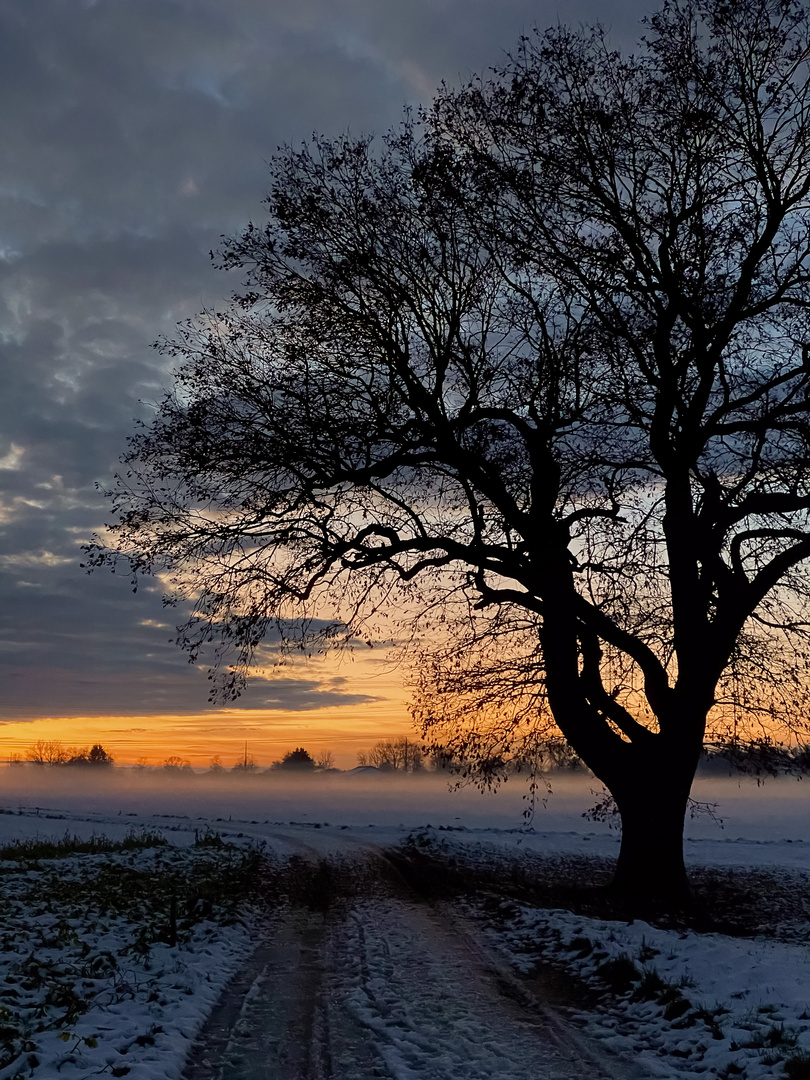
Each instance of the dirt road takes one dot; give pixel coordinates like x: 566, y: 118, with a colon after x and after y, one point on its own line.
x: 389, y: 986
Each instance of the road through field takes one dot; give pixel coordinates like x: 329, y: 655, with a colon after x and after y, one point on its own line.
x: 385, y: 985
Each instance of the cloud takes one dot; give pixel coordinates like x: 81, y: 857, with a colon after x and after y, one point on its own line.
x: 34, y: 559
x: 135, y: 133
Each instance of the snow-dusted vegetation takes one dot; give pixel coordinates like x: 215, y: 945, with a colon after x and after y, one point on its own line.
x: 700, y: 1002
x: 111, y: 953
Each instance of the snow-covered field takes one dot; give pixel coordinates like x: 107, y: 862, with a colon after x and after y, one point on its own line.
x: 678, y: 1001
x: 110, y: 961
x: 93, y: 980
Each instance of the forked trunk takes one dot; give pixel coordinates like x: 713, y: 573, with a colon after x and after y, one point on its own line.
x: 650, y: 866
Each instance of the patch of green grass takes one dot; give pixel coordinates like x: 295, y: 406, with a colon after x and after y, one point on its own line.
x: 164, y: 898
x: 36, y: 848
x: 54, y: 966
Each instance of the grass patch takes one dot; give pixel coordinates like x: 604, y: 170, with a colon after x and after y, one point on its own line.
x: 779, y: 1035
x: 163, y: 898
x: 676, y: 1008
x: 650, y: 988
x: 209, y: 838
x: 37, y: 848
x: 57, y: 958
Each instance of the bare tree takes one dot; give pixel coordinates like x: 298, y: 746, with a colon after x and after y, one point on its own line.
x: 245, y: 764
x: 325, y: 760
x: 47, y: 752
x: 174, y: 765
x: 533, y: 375
x: 399, y: 755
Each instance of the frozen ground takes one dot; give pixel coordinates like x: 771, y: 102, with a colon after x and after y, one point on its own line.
x: 351, y: 973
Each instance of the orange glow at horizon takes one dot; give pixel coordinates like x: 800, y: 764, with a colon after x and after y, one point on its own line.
x: 199, y: 737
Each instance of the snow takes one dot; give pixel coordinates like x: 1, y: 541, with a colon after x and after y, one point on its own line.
x: 722, y: 1001
x: 84, y: 989
x: 415, y: 1001
x: 415, y: 1005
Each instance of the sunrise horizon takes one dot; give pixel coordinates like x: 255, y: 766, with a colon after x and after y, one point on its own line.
x: 201, y: 736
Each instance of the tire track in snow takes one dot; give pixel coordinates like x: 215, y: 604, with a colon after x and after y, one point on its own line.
x: 264, y: 1026
x: 436, y: 1008
x: 386, y: 987
x: 274, y: 1020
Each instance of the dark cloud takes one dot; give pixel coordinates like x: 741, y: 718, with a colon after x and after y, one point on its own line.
x: 135, y: 132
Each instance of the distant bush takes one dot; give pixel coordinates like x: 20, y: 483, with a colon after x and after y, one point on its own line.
x: 177, y: 766
x: 96, y: 757
x: 208, y: 838
x: 299, y: 760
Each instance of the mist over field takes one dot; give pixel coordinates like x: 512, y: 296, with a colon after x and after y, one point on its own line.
x: 776, y: 810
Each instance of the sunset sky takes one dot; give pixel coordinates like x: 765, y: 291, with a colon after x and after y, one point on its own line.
x: 134, y: 134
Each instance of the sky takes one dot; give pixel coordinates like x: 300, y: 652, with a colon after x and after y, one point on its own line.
x: 134, y: 134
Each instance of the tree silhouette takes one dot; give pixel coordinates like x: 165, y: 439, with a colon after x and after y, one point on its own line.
x: 296, y: 760
x: 177, y: 766
x: 246, y: 764
x: 401, y: 755
x: 96, y: 757
x: 325, y: 760
x: 47, y: 752
x: 532, y: 375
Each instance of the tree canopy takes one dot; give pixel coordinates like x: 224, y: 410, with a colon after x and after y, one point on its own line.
x: 96, y: 756
x: 299, y: 760
x: 532, y: 372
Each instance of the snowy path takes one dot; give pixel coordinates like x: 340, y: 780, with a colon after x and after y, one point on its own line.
x: 387, y: 987
x: 263, y: 1026
x: 439, y: 1007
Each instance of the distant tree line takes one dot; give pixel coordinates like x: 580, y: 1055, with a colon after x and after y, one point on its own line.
x: 760, y: 759
x: 51, y: 752
x: 401, y: 755
x: 763, y: 758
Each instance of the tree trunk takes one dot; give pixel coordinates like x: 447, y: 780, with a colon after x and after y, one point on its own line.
x: 650, y: 866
